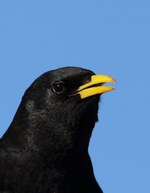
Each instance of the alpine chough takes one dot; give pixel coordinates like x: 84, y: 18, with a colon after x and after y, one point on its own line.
x: 45, y: 149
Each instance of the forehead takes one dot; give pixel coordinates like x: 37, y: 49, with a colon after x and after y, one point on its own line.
x: 70, y: 72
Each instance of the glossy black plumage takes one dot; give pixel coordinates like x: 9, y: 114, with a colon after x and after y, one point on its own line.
x: 45, y: 149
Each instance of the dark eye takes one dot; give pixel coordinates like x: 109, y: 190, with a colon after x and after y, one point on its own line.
x: 58, y: 87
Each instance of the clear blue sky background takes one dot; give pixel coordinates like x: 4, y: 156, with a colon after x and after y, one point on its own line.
x: 108, y: 37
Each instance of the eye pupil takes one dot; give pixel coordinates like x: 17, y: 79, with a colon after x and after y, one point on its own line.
x: 58, y: 88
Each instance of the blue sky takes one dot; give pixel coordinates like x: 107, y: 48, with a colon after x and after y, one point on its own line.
x: 108, y: 37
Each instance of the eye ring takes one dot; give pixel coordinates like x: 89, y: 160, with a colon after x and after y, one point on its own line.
x: 58, y: 87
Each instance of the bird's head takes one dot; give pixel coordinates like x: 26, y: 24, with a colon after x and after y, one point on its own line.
x: 62, y: 105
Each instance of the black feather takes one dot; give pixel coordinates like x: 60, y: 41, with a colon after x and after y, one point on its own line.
x: 45, y: 149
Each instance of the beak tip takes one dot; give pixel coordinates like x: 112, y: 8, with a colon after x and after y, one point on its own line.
x: 113, y: 80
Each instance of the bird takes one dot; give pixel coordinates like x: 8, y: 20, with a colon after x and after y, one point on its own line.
x: 45, y: 148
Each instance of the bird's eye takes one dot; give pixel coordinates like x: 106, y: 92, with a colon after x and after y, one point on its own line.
x: 58, y: 87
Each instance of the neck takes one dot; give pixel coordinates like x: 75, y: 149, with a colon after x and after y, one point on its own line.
x: 74, y: 171
x: 65, y: 162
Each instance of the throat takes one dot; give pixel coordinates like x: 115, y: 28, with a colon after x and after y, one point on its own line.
x: 71, y: 173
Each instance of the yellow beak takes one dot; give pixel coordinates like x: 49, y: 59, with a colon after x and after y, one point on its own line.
x: 95, y: 86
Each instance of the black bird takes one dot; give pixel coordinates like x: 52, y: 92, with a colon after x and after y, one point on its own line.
x: 45, y: 149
